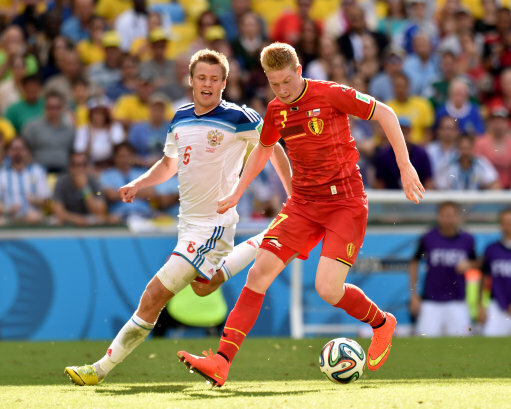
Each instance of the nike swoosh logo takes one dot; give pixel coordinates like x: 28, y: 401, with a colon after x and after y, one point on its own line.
x: 218, y: 376
x: 374, y: 362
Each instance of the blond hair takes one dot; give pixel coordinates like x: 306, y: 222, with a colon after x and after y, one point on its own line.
x: 210, y: 57
x: 278, y: 56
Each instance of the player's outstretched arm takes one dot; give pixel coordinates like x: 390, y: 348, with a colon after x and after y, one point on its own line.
x: 255, y: 164
x: 387, y: 118
x: 160, y: 172
x: 280, y: 162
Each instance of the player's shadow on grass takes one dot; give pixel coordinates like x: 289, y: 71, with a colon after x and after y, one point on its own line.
x: 137, y: 389
x: 231, y: 393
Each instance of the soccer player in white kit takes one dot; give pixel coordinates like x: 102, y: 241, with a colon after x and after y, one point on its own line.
x: 206, y: 144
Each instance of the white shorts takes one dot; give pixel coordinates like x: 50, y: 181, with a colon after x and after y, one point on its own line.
x: 443, y: 318
x: 498, y: 322
x: 204, y: 247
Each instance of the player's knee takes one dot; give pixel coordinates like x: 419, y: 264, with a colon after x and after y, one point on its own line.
x: 330, y: 294
x: 155, y: 296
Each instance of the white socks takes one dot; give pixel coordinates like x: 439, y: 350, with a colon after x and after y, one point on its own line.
x: 241, y: 256
x: 131, y: 335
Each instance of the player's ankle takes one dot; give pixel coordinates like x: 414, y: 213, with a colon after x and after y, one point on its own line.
x: 100, y: 371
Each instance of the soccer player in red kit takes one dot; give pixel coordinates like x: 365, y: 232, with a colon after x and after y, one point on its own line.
x: 328, y: 203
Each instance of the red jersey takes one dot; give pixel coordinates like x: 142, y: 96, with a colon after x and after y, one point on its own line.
x: 317, y: 134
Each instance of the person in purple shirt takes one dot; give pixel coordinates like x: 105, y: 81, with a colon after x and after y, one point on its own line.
x: 387, y: 172
x: 496, y: 268
x: 440, y: 307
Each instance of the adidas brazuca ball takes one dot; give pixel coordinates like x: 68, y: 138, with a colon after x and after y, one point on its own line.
x: 342, y: 360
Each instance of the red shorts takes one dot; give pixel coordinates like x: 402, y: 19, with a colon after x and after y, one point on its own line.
x: 301, y: 224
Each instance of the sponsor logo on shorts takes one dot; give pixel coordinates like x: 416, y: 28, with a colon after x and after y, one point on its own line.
x: 275, y: 243
x: 350, y: 249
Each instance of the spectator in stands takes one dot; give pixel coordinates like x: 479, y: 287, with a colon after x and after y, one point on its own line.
x: 468, y: 171
x: 350, y: 43
x: 459, y: 106
x: 78, y: 199
x: 13, y: 44
x: 11, y: 89
x: 420, y: 22
x: 381, y: 85
x: 111, y: 9
x: 206, y: 20
x: 395, y: 21
x: 338, y: 70
x: 160, y: 68
x: 91, y: 50
x: 421, y: 66
x: 496, y: 267
x: 464, y: 24
x: 24, y: 190
x: 7, y: 133
x: 288, y: 25
x: 30, y: 107
x: 496, y: 47
x: 148, y: 137
x: 307, y: 46
x: 54, y: 56
x: 236, y: 88
x: 50, y: 138
x: 108, y: 72
x: 251, y: 40
x: 79, y: 108
x: 503, y: 98
x: 387, y: 172
x: 440, y: 306
x: 370, y: 65
x: 127, y: 84
x: 319, y: 69
x: 132, y: 24
x: 439, y: 89
x: 495, y: 145
x: 231, y: 19
x: 120, y: 174
x: 141, y: 46
x: 416, y: 108
x: 443, y: 150
x: 76, y: 26
x: 98, y: 138
x: 71, y: 69
x: 487, y: 22
x: 130, y: 109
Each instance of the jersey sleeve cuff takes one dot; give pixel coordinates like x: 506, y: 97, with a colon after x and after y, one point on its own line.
x: 372, y: 110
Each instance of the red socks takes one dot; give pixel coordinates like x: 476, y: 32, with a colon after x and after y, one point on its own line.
x: 239, y: 323
x: 356, y: 304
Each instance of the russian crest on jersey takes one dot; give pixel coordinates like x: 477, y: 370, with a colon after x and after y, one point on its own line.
x: 342, y: 360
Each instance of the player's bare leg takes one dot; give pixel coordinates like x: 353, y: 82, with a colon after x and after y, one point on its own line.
x: 156, y: 295
x: 215, y: 367
x: 330, y: 285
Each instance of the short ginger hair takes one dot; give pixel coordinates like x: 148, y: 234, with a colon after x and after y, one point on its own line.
x: 278, y: 56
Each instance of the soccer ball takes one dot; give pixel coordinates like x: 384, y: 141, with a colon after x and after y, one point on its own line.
x: 342, y: 360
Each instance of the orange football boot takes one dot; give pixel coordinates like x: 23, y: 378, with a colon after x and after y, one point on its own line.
x: 214, y: 368
x: 381, y: 342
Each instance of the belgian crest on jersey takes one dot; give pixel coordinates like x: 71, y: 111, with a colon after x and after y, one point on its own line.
x: 215, y: 137
x: 316, y: 125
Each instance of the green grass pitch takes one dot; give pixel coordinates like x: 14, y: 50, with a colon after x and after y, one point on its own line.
x: 268, y: 373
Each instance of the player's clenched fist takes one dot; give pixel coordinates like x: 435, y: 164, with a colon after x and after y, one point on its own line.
x: 128, y: 193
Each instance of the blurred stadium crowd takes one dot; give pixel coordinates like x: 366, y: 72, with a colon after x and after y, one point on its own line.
x: 87, y: 89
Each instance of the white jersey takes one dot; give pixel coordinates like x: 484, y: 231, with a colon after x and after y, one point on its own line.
x: 210, y: 149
